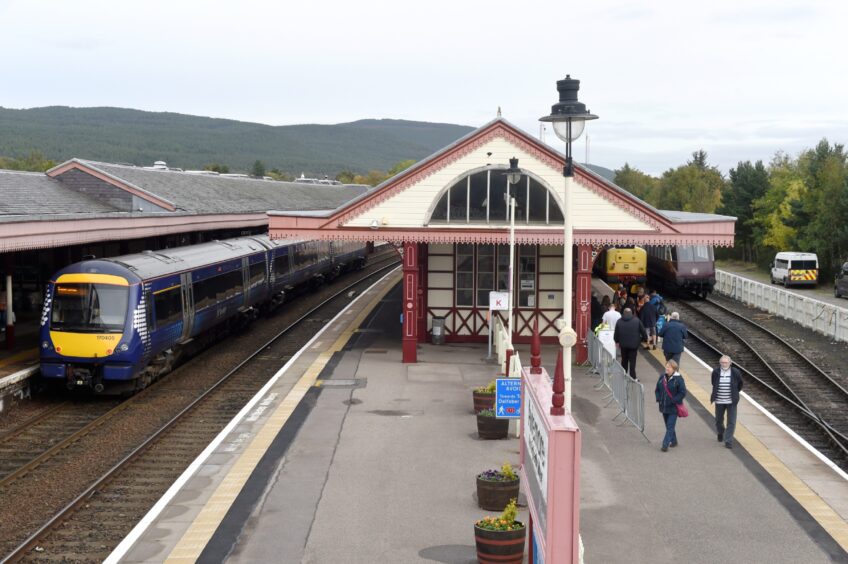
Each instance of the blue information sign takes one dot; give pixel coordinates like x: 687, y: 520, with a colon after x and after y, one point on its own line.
x: 508, y: 398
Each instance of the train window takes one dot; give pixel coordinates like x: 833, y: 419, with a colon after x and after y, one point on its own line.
x: 212, y: 290
x: 464, y: 275
x: 694, y: 253
x: 168, y: 306
x: 485, y: 274
x: 527, y: 276
x: 89, y: 307
x: 257, y: 274
x: 281, y: 266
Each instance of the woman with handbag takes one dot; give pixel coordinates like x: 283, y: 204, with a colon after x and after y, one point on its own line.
x: 670, y: 391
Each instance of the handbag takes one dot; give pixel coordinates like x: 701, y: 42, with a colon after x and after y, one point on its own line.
x: 681, y: 407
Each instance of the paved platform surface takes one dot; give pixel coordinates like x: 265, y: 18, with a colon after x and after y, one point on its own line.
x: 377, y: 464
x: 20, y: 361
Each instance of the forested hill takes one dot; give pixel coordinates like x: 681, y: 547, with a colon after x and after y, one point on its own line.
x: 191, y: 142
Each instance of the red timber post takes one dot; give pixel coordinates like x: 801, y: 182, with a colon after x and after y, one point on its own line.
x: 583, y: 297
x: 422, y: 292
x: 410, y: 302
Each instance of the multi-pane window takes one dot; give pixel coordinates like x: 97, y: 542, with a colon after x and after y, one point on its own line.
x: 465, y: 275
x: 257, y: 274
x: 482, y: 198
x: 527, y: 276
x: 485, y: 274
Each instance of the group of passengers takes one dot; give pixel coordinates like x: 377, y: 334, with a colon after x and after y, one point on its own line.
x: 637, y: 321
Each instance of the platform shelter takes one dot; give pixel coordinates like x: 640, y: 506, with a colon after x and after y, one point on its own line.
x: 449, y: 215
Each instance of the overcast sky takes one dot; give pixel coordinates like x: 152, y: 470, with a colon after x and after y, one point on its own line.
x: 741, y: 79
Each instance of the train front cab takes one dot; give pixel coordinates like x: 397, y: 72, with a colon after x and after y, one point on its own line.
x: 87, y: 334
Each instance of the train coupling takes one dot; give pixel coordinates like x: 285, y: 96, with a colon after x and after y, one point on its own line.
x: 83, y: 378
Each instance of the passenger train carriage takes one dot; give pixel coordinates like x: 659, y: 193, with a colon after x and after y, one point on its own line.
x: 116, y: 324
x: 682, y: 268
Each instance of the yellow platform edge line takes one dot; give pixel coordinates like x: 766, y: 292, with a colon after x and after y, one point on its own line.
x: 818, y: 508
x: 197, y: 536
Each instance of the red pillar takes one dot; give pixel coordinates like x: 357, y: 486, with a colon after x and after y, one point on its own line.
x: 422, y: 292
x: 583, y: 296
x: 410, y: 302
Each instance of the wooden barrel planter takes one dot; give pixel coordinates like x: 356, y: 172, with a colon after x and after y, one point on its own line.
x: 500, y: 546
x: 492, y: 427
x: 483, y: 401
x: 494, y: 495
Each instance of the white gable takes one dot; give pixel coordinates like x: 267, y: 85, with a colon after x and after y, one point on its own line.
x: 410, y: 208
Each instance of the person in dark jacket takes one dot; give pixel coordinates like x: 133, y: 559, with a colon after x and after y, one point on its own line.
x: 629, y: 333
x: 648, y: 317
x: 727, y: 383
x: 597, y: 310
x: 674, y: 333
x: 670, y: 391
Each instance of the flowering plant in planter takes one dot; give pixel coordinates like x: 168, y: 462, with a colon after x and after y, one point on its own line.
x: 504, y: 522
x: 505, y: 474
x: 484, y: 397
x: 495, y: 488
x: 487, y: 389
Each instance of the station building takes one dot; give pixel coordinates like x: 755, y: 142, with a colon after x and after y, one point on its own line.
x: 449, y: 215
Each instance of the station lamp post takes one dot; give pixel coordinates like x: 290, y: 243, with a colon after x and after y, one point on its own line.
x: 513, y: 176
x: 569, y: 118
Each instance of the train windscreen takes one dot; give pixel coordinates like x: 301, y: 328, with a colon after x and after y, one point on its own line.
x: 695, y: 253
x: 89, y: 308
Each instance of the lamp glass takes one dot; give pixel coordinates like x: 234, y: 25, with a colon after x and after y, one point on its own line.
x: 513, y: 177
x: 561, y: 129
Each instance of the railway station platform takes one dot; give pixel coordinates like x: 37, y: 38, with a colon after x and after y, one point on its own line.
x: 352, y: 456
x: 19, y: 362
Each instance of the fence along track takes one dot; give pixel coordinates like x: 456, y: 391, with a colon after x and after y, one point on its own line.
x: 117, y: 505
x: 793, y: 384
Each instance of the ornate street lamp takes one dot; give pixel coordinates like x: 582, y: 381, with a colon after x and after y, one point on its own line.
x: 569, y: 118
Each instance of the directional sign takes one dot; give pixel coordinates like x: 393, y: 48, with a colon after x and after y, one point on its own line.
x: 508, y: 398
x: 499, y: 301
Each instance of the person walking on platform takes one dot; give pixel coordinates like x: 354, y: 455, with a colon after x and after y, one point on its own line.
x: 611, y: 317
x: 674, y: 333
x: 597, y: 310
x: 670, y: 391
x: 629, y: 333
x: 648, y: 317
x: 727, y: 383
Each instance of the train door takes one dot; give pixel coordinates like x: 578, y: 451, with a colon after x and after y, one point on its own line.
x: 188, y: 305
x: 245, y: 281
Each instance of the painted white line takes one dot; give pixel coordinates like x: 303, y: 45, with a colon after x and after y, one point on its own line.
x: 133, y: 536
x: 815, y: 452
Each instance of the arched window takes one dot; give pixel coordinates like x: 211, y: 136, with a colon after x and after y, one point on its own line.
x: 480, y: 197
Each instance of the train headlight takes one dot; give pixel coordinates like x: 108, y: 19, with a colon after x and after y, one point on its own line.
x: 123, y: 347
x: 45, y: 345
x: 695, y: 271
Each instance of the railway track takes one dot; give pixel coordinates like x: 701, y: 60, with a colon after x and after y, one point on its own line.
x: 810, y: 401
x: 151, y: 441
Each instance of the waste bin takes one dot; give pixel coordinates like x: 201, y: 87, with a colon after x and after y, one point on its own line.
x: 438, y: 331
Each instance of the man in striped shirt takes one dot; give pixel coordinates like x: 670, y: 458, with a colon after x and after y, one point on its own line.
x: 727, y: 383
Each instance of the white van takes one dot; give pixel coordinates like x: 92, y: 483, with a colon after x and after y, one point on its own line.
x: 795, y: 268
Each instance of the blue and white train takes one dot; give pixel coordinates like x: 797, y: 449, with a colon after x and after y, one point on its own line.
x: 114, y: 325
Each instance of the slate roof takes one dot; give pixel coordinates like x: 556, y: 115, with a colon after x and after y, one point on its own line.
x: 208, y: 194
x: 27, y: 193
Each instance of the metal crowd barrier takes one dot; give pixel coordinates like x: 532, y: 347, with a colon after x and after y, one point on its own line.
x: 625, y: 391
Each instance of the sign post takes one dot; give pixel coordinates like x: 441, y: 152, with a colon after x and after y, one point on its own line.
x: 498, y: 301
